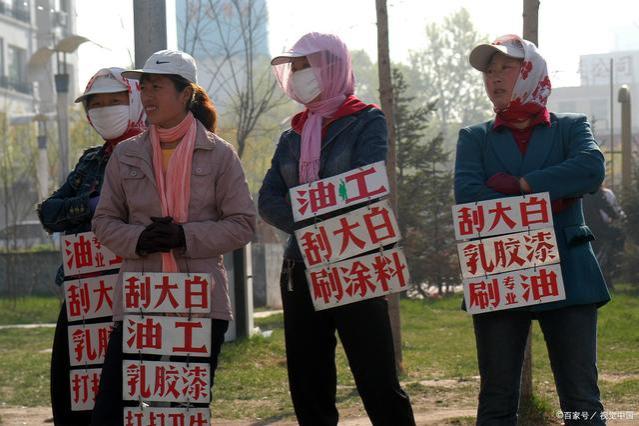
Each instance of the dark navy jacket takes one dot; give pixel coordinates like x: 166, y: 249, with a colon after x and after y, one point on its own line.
x: 67, y: 209
x: 562, y: 159
x: 350, y: 142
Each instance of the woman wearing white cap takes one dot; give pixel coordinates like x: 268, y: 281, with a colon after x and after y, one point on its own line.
x: 527, y: 149
x: 114, y: 109
x: 175, y: 199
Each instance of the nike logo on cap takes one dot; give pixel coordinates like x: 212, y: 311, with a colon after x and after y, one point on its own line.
x: 162, y: 62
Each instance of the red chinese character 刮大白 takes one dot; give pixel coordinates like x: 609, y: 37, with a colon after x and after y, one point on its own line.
x: 379, y: 225
x: 470, y: 220
x: 195, y: 292
x: 534, y: 210
x: 137, y: 294
x: 316, y: 246
x: 348, y: 235
x: 500, y: 214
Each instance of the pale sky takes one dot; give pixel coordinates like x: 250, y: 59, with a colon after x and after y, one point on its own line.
x: 567, y: 28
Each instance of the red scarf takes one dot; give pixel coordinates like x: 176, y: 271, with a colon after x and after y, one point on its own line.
x: 110, y: 144
x: 522, y: 136
x: 350, y: 106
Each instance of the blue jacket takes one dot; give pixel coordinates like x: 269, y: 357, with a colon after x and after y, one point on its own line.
x: 67, y: 209
x: 562, y: 159
x: 350, y: 142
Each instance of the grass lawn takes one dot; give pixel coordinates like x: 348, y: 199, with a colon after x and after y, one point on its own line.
x: 438, y: 348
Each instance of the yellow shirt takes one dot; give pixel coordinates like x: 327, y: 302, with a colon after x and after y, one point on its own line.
x: 167, y: 151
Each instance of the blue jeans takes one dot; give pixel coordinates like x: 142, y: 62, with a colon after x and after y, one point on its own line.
x: 571, y: 339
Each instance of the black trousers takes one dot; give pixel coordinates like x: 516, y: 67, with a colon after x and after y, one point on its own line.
x: 109, y: 407
x: 60, y: 382
x: 365, y: 332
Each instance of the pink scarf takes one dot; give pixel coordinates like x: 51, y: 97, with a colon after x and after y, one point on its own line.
x: 174, y: 188
x: 330, y: 60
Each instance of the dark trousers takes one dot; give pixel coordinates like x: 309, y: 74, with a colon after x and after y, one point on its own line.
x: 571, y: 339
x: 365, y: 332
x: 109, y: 407
x: 60, y: 382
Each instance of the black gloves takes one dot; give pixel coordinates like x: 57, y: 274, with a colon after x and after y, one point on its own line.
x: 161, y: 235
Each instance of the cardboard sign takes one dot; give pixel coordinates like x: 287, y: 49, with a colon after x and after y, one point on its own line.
x: 88, y: 298
x: 514, y: 289
x: 84, y: 387
x: 336, y: 192
x: 166, y: 381
x: 358, y: 279
x: 166, y: 335
x: 508, y: 253
x: 159, y: 416
x: 348, y: 235
x: 83, y: 254
x: 167, y: 292
x: 88, y: 343
x: 502, y: 216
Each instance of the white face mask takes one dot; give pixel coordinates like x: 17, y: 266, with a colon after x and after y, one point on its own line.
x: 305, y: 85
x: 110, y: 122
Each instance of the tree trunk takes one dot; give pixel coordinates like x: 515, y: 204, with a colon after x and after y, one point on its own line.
x: 386, y: 98
x: 530, y: 32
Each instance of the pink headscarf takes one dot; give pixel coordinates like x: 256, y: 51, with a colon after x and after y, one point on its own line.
x: 137, y: 116
x: 330, y: 61
x: 532, y: 87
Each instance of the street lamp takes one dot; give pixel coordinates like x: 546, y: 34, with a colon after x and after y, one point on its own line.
x: 38, y: 62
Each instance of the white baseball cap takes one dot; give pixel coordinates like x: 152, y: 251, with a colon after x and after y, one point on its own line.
x: 167, y: 62
x: 105, y: 83
x: 288, y: 56
x: 480, y: 56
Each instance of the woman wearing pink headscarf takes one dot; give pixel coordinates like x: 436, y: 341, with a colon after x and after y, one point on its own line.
x: 527, y: 149
x: 335, y: 132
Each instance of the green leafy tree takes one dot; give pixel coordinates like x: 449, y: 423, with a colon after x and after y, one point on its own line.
x: 425, y: 183
x: 441, y: 70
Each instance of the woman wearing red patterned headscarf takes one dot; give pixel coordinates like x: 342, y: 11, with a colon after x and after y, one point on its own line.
x: 114, y: 109
x: 335, y: 133
x: 527, y: 149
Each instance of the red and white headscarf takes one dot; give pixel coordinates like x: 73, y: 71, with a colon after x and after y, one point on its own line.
x: 532, y: 87
x: 137, y: 116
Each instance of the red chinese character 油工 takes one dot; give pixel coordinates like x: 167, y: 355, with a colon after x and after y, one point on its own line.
x: 188, y: 327
x: 320, y: 197
x: 543, y: 284
x: 362, y: 187
x: 145, y: 334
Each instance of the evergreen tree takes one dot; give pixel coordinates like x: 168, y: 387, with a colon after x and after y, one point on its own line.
x: 425, y: 184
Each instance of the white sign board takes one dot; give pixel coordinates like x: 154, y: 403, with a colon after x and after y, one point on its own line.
x: 83, y: 254
x: 160, y: 292
x: 88, y: 343
x: 349, y: 234
x: 514, y: 289
x: 84, y: 385
x: 358, y: 279
x: 336, y: 192
x: 160, y: 416
x: 166, y: 381
x: 508, y: 253
x: 166, y: 335
x: 502, y: 216
x: 88, y: 298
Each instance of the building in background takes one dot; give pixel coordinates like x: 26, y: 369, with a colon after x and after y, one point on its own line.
x: 25, y: 27
x: 592, y: 97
